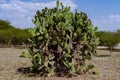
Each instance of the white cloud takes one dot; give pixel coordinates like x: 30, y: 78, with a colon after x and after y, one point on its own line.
x: 114, y: 16
x: 109, y: 23
x: 16, y: 9
x: 23, y: 6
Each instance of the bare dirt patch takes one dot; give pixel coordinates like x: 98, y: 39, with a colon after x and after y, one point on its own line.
x: 10, y: 63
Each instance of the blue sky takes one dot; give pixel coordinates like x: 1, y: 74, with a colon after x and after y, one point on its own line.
x: 104, y: 13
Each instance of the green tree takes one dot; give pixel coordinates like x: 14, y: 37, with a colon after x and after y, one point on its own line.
x: 4, y: 24
x: 109, y: 39
x: 10, y: 35
x: 118, y: 33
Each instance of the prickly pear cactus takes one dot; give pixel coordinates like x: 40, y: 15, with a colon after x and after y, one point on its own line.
x: 62, y: 41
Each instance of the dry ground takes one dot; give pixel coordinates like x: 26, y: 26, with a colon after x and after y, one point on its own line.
x: 10, y: 62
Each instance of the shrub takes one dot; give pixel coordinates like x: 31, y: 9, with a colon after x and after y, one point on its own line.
x: 61, y: 41
x: 95, y: 72
x: 10, y: 35
x: 109, y: 39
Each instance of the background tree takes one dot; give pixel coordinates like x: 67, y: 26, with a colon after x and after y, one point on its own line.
x: 5, y: 24
x: 10, y: 35
x: 109, y: 39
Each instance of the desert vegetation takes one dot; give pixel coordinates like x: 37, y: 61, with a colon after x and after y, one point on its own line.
x: 9, y: 35
x: 13, y: 67
x: 109, y: 39
x: 62, y: 44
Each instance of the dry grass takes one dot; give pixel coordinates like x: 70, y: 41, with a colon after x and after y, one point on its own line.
x: 10, y: 62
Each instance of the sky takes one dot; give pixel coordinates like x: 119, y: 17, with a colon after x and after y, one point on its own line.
x: 103, y: 13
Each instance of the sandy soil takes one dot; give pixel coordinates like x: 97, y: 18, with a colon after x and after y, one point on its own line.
x: 10, y: 63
